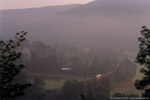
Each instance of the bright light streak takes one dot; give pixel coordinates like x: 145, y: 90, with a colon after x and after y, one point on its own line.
x: 98, y: 76
x: 66, y: 69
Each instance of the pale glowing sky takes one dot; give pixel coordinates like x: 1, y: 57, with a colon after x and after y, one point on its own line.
x: 16, y: 4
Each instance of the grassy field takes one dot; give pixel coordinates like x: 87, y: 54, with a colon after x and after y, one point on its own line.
x: 132, y: 56
x: 138, y: 75
x: 128, y: 87
x: 54, y: 84
x: 57, y: 81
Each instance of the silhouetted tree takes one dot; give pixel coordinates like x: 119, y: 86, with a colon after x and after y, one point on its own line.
x: 36, y: 91
x: 143, y: 58
x: 9, y: 68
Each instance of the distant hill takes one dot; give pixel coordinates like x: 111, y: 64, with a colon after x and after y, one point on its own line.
x: 112, y: 7
x: 20, y: 17
x: 51, y: 10
x: 106, y: 23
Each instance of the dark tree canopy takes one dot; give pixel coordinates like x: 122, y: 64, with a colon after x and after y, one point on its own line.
x: 143, y: 58
x: 9, y: 68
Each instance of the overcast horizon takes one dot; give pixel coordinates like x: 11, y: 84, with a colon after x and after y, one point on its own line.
x: 21, y: 4
x: 73, y: 49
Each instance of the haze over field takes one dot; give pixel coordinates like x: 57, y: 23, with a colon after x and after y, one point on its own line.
x: 74, y: 48
x: 100, y: 22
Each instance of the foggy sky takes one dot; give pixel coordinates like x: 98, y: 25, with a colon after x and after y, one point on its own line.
x: 16, y: 4
x: 102, y: 23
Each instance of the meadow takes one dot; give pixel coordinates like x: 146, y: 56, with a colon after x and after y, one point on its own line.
x: 53, y: 82
x: 128, y: 87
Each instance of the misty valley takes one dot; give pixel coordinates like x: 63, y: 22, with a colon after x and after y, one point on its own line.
x: 66, y: 72
x: 76, y: 52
